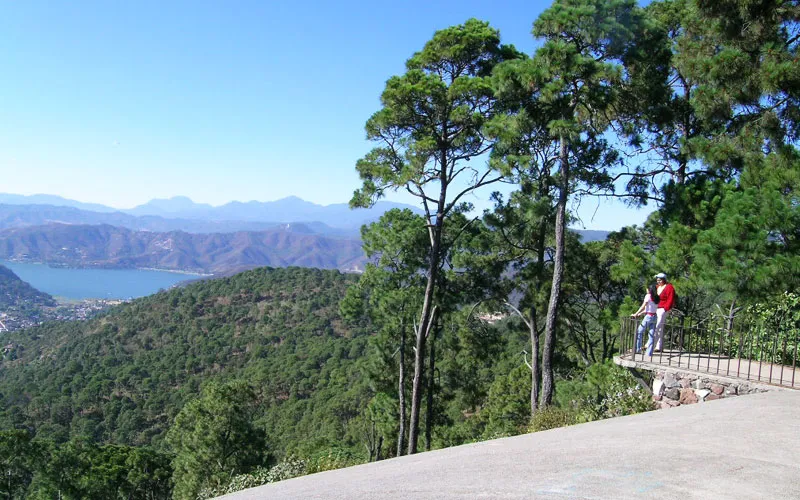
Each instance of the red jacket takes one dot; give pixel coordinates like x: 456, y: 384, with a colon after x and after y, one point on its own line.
x: 667, y: 297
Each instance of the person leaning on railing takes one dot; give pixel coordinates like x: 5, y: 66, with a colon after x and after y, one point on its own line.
x: 648, y: 308
x: 666, y: 299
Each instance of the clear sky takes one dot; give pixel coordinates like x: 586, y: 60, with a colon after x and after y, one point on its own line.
x: 121, y: 102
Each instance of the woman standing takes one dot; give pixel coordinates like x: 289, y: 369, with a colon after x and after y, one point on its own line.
x: 666, y: 296
x: 648, y: 308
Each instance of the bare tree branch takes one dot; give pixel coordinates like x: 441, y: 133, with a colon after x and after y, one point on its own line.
x: 518, y: 313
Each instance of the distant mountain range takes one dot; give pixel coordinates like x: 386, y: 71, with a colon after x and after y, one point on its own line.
x: 291, y: 209
x: 178, y: 234
x: 588, y: 235
x: 106, y: 246
x: 286, y: 210
x: 16, y: 216
x: 49, y: 199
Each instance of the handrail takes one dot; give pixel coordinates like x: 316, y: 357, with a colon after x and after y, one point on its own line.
x: 754, y: 351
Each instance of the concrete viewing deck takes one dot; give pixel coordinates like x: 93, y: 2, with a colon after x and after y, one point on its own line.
x: 746, y: 447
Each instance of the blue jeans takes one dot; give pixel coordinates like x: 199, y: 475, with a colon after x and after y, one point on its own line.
x: 648, y: 323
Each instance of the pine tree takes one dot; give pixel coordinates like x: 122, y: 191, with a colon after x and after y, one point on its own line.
x: 430, y: 126
x: 214, y: 438
x: 573, y: 82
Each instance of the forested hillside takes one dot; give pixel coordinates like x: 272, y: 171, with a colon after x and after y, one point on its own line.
x: 15, y: 293
x: 316, y: 385
x: 122, y: 377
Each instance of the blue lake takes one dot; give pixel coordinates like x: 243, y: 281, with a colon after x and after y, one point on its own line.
x: 95, y: 283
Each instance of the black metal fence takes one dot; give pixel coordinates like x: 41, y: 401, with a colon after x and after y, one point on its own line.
x: 755, y: 350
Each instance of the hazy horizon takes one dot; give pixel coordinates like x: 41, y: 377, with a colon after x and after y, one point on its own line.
x: 180, y: 196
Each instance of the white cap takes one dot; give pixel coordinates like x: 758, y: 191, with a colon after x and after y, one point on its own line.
x: 661, y: 275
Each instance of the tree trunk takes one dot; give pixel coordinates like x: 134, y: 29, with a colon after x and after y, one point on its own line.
x: 729, y: 319
x: 419, y: 363
x: 548, y: 383
x: 401, y: 389
x: 534, y: 362
x: 685, y: 126
x: 369, y: 435
x: 431, y: 383
x: 427, y: 306
x: 424, y: 326
x: 536, y: 376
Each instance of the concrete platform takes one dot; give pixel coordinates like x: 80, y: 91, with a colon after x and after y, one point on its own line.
x: 746, y: 447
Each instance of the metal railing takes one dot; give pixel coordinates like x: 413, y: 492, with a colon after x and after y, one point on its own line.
x: 750, y: 350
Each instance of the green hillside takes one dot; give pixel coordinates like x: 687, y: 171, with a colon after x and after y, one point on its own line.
x: 111, y: 388
x: 122, y: 377
x: 15, y: 293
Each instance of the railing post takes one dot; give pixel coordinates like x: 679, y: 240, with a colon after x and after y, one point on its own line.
x: 750, y: 356
x: 783, y: 354
x: 774, y: 350
x: 740, y: 350
x: 794, y: 357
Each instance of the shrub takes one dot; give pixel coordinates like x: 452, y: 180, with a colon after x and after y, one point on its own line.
x: 552, y: 417
x: 605, y: 391
x: 507, y: 408
x: 288, y: 468
x: 774, y: 330
x: 330, y: 460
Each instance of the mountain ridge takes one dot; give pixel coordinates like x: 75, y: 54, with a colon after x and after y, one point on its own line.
x: 15, y: 216
x: 51, y: 199
x: 291, y: 209
x: 106, y: 246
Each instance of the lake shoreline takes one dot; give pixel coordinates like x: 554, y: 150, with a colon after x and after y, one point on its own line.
x: 188, y: 273
x: 79, y: 283
x: 157, y: 269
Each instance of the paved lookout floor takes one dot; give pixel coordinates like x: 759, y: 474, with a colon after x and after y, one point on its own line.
x: 746, y: 447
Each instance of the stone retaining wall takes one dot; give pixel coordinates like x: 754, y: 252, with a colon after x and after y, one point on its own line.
x: 674, y: 388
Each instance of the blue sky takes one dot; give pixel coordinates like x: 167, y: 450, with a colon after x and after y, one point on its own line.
x: 121, y: 102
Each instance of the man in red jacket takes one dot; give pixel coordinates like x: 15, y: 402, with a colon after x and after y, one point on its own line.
x: 666, y: 298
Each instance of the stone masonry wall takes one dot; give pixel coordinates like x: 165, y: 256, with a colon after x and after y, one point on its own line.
x: 674, y: 388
